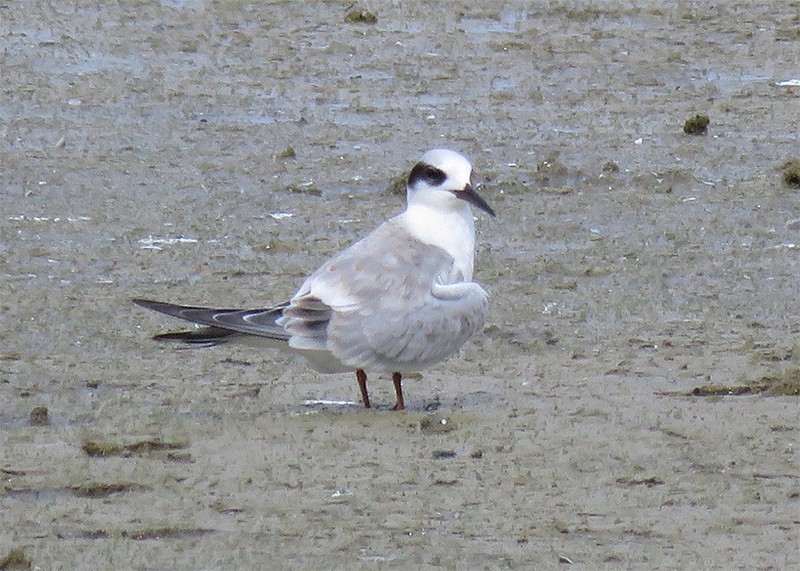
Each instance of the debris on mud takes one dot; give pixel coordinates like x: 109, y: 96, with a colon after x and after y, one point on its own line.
x: 39, y: 416
x: 611, y: 167
x: 287, y: 153
x: 358, y: 16
x: 791, y: 172
x: 15, y: 559
x: 98, y: 449
x: 397, y: 185
x: 649, y: 482
x: 697, y: 125
x: 551, y: 171
x: 786, y: 383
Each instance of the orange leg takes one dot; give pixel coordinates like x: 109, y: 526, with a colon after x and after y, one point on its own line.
x: 398, y: 390
x: 361, y: 376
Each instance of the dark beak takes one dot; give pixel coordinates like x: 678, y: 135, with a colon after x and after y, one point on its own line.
x: 474, y: 198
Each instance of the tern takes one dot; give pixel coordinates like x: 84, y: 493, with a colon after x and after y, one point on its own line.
x: 397, y: 301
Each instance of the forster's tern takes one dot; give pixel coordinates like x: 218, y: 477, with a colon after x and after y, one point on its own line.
x: 397, y: 301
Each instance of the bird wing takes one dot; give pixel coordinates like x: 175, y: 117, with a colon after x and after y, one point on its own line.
x: 388, y: 302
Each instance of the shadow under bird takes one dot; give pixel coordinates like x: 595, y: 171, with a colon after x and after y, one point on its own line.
x: 397, y: 301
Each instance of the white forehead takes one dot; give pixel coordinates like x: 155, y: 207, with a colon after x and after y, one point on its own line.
x: 453, y: 164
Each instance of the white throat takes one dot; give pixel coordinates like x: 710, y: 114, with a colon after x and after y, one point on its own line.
x: 452, y: 230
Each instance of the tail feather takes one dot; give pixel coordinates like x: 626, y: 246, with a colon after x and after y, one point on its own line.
x: 205, y: 337
x: 220, y: 324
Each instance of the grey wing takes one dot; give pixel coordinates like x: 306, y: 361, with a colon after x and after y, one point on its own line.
x: 305, y: 320
x: 386, y: 303
x: 221, y: 323
x: 342, y: 284
x: 409, y: 337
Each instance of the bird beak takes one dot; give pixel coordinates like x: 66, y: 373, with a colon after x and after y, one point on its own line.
x: 474, y: 198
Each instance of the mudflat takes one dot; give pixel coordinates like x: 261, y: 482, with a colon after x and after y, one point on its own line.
x: 633, y: 401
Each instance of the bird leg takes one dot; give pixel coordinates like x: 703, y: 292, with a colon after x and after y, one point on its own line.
x: 361, y: 377
x: 398, y: 390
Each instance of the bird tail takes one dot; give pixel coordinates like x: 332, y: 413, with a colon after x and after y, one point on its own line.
x: 202, y: 337
x: 221, y: 325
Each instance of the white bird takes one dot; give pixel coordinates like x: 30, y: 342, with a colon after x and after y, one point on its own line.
x: 397, y: 301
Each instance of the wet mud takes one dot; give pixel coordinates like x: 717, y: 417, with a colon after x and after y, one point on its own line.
x: 632, y: 403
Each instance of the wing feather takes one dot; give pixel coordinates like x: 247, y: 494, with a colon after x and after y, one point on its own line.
x: 378, y: 314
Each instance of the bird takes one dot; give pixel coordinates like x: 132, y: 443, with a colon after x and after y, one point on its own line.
x: 397, y: 301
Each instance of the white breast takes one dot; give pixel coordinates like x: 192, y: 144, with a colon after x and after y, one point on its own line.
x: 453, y: 230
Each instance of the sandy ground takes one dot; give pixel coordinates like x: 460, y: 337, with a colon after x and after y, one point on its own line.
x: 144, y: 151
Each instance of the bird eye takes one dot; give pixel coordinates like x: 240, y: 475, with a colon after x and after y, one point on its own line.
x: 434, y: 176
x: 428, y: 173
